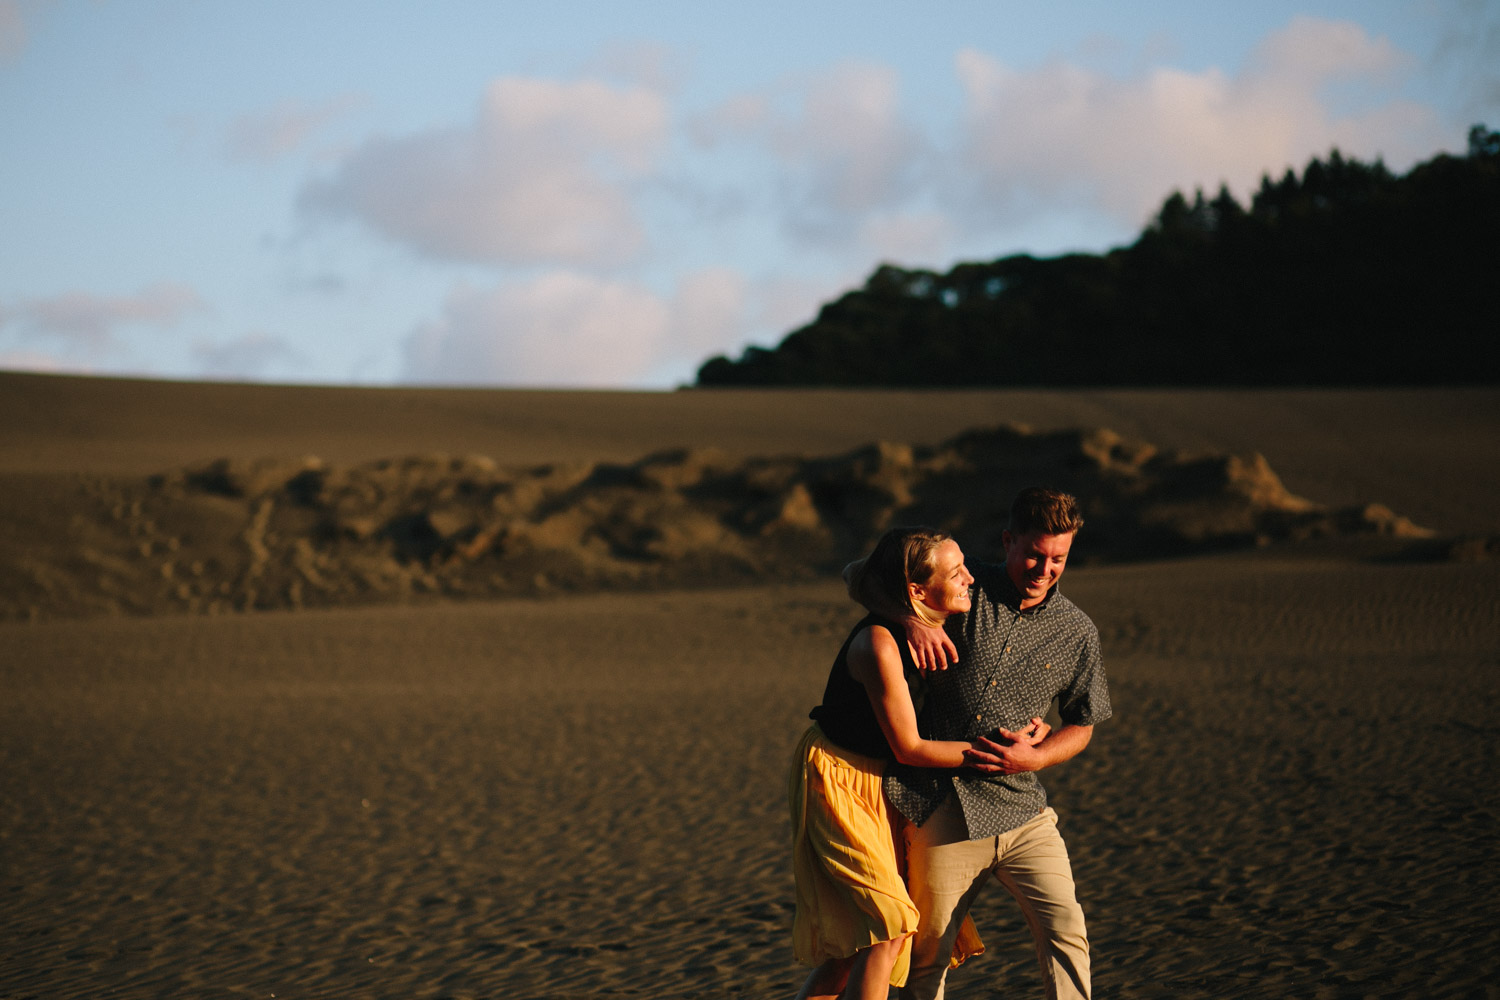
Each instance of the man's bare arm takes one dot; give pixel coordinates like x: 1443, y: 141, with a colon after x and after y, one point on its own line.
x: 1064, y: 744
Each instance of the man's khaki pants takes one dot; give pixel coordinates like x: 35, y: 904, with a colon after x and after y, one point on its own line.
x: 946, y: 871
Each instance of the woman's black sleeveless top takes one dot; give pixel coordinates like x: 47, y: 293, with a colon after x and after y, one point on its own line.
x: 846, y: 716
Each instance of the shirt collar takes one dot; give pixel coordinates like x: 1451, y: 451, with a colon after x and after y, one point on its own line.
x: 1012, y: 597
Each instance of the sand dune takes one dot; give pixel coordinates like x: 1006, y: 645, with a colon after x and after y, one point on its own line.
x: 1432, y: 454
x: 579, y: 796
x: 272, y: 533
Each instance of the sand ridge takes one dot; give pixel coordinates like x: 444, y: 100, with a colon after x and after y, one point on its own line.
x: 235, y: 535
x: 1432, y: 454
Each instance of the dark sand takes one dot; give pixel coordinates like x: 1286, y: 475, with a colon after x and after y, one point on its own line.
x: 582, y: 796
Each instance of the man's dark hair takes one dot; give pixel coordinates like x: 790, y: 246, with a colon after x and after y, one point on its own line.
x: 1044, y: 511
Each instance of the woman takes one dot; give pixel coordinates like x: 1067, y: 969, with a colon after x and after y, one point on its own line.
x: 854, y: 918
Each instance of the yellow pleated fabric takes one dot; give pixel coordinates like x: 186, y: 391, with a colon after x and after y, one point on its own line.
x: 850, y: 893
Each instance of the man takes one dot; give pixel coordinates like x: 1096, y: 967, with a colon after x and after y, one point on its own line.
x: 1021, y: 645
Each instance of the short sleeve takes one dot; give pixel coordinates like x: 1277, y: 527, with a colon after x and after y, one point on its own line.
x: 1085, y: 702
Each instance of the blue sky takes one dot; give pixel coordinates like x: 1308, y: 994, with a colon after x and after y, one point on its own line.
x: 607, y: 193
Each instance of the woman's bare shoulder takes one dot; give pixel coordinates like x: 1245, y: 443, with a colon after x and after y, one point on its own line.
x: 872, y: 645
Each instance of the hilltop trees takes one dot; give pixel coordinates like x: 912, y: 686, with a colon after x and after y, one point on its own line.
x: 1346, y: 274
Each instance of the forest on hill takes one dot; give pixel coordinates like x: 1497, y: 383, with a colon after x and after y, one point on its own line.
x: 1345, y: 275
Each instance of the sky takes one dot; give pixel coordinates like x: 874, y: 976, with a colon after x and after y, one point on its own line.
x: 605, y: 194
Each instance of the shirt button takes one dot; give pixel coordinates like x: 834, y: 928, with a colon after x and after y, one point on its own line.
x: 992, y: 683
x: 978, y: 717
x: 1007, y: 649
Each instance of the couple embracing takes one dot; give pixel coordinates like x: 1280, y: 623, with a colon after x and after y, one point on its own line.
x: 913, y: 784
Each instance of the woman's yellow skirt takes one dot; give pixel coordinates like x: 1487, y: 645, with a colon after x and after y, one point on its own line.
x: 847, y: 859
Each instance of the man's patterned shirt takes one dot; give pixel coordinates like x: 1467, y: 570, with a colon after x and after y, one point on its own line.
x: 1012, y: 664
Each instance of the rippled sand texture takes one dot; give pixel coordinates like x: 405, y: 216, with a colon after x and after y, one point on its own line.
x: 583, y: 797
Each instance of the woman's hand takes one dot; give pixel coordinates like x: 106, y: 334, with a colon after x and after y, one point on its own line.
x: 985, y: 763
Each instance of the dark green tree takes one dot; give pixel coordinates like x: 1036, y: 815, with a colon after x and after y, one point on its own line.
x: 1343, y: 275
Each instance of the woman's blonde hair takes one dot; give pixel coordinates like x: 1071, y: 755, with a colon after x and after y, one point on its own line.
x: 881, y: 581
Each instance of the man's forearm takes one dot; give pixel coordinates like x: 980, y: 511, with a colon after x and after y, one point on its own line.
x: 1064, y: 744
x: 1016, y: 754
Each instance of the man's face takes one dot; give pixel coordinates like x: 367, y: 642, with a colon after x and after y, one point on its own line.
x: 1034, y: 562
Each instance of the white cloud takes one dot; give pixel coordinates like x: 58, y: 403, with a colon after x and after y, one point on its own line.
x: 561, y: 329
x: 541, y: 175
x: 1059, y: 148
x: 907, y: 236
x: 87, y: 321
x: 740, y: 116
x: 653, y: 65
x: 1467, y: 56
x: 1061, y: 134
x: 842, y: 147
x: 859, y: 152
x: 1310, y: 52
x: 35, y: 361
x: 572, y: 329
x: 251, y: 356
x: 782, y: 304
x: 708, y: 310
x: 270, y: 135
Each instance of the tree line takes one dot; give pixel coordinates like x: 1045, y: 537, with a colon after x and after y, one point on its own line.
x: 1346, y: 274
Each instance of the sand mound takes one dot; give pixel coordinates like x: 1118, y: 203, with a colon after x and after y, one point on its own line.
x: 285, y: 533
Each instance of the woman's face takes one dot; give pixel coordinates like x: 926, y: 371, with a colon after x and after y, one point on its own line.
x: 948, y: 590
